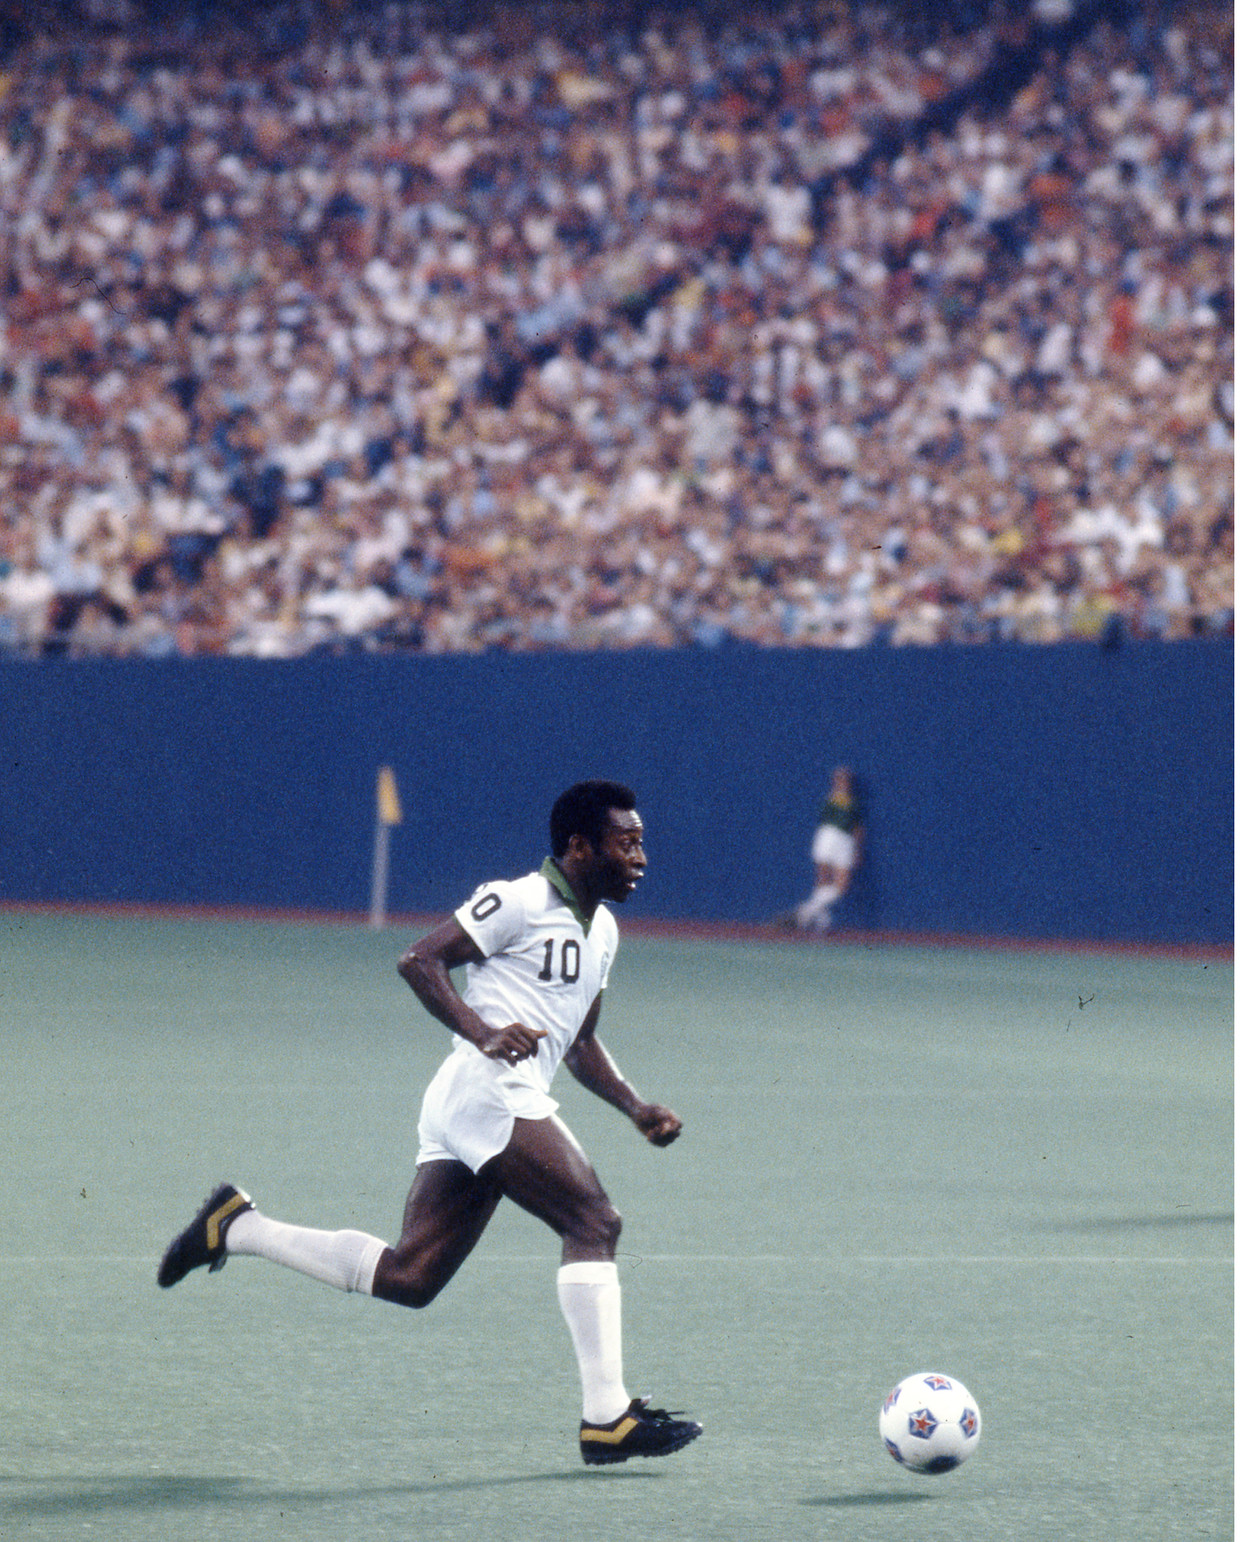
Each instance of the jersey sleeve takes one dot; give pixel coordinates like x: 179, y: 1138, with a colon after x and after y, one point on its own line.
x: 494, y: 916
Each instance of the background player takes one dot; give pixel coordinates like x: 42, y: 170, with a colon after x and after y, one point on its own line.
x: 537, y: 952
x: 836, y: 851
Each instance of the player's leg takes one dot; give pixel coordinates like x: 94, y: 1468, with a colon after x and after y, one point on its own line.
x: 816, y: 910
x: 446, y: 1213
x: 228, y: 1223
x: 545, y: 1171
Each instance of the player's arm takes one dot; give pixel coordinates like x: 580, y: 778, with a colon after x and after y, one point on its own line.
x: 594, y: 1068
x: 427, y: 969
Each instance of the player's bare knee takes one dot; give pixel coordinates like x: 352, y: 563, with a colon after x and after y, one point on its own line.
x: 414, y: 1296
x: 417, y: 1293
x: 405, y: 1286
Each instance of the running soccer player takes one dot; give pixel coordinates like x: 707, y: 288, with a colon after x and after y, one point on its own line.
x: 536, y: 953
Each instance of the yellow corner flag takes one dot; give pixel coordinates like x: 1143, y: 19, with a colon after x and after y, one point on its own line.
x: 388, y: 798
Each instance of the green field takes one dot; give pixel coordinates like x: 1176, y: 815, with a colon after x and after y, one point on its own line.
x: 1012, y: 1167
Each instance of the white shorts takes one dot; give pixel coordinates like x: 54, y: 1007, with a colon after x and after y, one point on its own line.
x: 833, y: 847
x: 470, y: 1108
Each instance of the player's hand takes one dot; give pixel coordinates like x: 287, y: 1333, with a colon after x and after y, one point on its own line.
x: 659, y: 1125
x: 513, y: 1044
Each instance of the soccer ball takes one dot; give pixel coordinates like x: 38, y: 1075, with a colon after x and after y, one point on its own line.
x: 930, y: 1423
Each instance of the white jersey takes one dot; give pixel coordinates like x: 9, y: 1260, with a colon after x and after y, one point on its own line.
x: 544, y: 964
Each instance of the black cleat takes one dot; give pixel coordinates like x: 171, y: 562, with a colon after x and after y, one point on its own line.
x: 202, y: 1241
x: 639, y: 1431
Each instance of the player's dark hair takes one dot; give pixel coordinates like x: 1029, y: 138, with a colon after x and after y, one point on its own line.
x: 583, y: 810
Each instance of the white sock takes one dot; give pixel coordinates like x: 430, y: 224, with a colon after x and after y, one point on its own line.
x: 345, y: 1259
x: 590, y: 1300
x: 819, y: 902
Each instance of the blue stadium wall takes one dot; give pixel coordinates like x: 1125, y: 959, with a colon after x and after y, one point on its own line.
x: 1057, y: 793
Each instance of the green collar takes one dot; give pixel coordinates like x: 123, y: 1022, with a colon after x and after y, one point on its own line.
x: 551, y: 871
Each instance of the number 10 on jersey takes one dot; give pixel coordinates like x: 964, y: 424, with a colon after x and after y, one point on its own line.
x: 570, y: 960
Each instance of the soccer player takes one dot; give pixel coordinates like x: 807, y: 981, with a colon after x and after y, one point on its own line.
x: 836, y: 852
x: 536, y: 953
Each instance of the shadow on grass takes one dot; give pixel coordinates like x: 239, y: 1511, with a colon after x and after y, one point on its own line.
x: 865, y: 1501
x: 1140, y: 1222
x: 88, y: 1497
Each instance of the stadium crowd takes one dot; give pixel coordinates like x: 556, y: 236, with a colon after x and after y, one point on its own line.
x: 336, y: 327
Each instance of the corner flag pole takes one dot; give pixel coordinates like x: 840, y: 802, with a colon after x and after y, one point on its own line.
x: 387, y: 814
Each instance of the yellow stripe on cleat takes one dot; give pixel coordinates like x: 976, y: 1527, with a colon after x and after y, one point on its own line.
x: 610, y: 1437
x: 217, y: 1218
